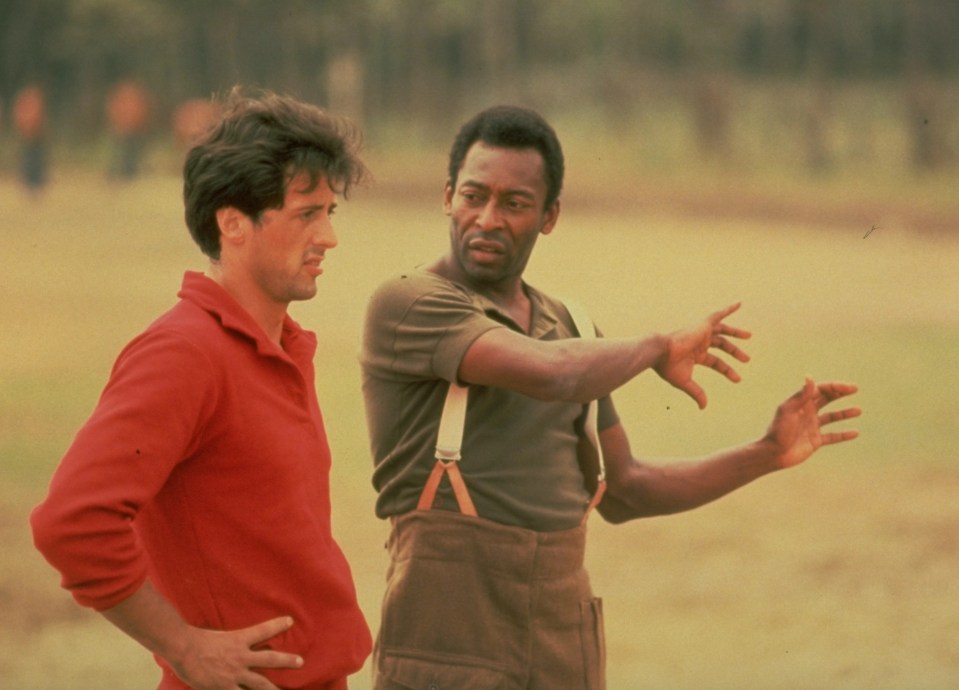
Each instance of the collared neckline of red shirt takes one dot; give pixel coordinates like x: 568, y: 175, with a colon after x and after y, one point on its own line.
x: 214, y: 298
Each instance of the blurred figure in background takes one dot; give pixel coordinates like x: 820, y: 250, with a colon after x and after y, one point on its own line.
x: 30, y: 125
x: 193, y: 508
x: 128, y: 114
x: 192, y: 119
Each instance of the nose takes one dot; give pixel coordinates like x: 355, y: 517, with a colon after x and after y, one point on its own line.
x: 489, y: 216
x: 324, y: 234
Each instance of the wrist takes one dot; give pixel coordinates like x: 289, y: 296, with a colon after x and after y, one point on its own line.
x: 176, y: 648
x: 661, y: 346
x: 768, y: 452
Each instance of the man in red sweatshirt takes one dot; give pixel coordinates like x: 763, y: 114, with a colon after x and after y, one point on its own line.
x: 193, y: 508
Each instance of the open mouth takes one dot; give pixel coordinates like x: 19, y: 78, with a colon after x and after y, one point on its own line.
x: 486, y: 247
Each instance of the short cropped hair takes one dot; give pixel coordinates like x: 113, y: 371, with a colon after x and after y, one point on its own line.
x: 248, y: 158
x: 512, y: 127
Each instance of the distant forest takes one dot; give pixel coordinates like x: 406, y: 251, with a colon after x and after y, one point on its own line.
x: 382, y: 61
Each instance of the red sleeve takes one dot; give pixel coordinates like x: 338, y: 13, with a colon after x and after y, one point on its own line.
x: 150, y: 414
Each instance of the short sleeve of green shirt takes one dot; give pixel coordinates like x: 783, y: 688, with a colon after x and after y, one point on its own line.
x: 419, y: 326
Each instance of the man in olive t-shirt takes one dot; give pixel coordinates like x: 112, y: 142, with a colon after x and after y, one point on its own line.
x: 486, y: 585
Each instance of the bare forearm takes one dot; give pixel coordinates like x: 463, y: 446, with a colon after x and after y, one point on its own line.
x: 663, y: 488
x: 588, y: 370
x: 202, y: 658
x: 640, y: 489
x: 152, y: 621
x: 582, y: 370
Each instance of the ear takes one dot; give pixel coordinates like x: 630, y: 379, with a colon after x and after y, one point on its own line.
x: 233, y: 224
x: 448, y: 198
x: 550, y: 218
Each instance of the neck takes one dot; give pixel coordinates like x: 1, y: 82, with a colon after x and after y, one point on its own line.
x: 268, y: 315
x: 509, y: 294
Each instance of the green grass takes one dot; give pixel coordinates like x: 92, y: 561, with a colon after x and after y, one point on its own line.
x: 840, y: 573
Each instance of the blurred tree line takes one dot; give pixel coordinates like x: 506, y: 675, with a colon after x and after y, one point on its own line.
x: 434, y: 61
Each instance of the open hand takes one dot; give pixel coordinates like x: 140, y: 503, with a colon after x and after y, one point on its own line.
x: 214, y: 660
x: 687, y: 348
x: 796, y: 430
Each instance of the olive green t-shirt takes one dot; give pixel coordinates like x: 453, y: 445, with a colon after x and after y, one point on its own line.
x: 519, y: 454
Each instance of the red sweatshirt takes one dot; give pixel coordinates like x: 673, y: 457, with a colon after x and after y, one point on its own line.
x: 205, y: 467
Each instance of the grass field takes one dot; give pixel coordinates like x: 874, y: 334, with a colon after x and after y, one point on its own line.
x: 843, y: 573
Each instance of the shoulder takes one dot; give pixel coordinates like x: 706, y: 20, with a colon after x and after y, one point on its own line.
x: 417, y: 288
x: 182, y: 339
x: 174, y: 372
x: 417, y: 282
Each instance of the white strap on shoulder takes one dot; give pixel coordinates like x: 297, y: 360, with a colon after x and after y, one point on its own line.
x: 449, y: 440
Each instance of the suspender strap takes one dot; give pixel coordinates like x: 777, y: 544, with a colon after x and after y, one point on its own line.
x: 595, y: 500
x: 452, y: 470
x: 448, y: 443
x: 586, y: 330
x: 449, y: 439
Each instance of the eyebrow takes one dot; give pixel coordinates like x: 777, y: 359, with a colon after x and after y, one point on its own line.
x: 515, y: 191
x: 314, y: 207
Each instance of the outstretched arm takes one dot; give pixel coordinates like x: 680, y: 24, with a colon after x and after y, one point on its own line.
x: 203, y: 659
x: 580, y: 370
x: 640, y: 489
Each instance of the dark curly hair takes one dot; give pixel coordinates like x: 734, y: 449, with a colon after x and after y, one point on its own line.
x: 247, y: 159
x: 512, y: 127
